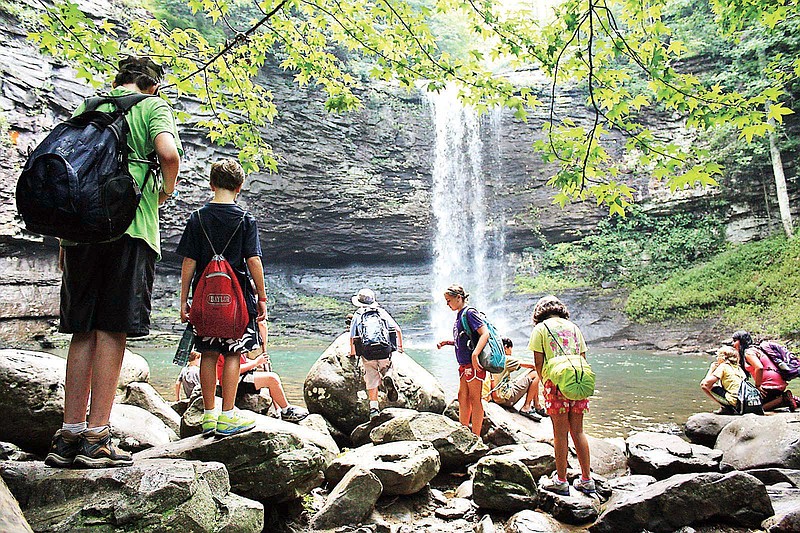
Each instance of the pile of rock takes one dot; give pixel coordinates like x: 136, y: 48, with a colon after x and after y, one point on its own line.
x: 413, y: 468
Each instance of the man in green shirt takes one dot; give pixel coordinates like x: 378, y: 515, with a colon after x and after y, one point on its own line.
x: 106, y: 287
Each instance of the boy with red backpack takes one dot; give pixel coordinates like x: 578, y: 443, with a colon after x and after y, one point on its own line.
x: 220, y: 246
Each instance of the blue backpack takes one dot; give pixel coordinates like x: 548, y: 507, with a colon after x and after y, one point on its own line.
x: 493, y: 356
x: 787, y: 364
x: 76, y: 184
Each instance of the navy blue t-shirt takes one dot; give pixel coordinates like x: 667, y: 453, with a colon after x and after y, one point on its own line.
x: 220, y: 221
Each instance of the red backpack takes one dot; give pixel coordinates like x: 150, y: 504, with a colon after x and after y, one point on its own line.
x: 218, y: 305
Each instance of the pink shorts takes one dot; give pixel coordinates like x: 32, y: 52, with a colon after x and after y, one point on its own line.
x: 556, y: 403
x: 468, y: 373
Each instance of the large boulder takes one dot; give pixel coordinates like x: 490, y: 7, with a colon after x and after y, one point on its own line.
x: 502, y: 427
x: 361, y: 434
x: 457, y: 445
x: 334, y: 387
x: 137, y: 429
x: 662, y: 455
x: 575, y: 509
x: 605, y: 458
x: 735, y: 498
x: 350, y: 501
x: 274, y: 462
x: 145, y: 396
x: 503, y: 482
x: 134, y: 369
x: 31, y: 397
x: 704, y: 428
x: 403, y: 467
x: 529, y: 521
x: 753, y: 441
x: 536, y: 456
x: 151, y: 495
x: 11, y: 517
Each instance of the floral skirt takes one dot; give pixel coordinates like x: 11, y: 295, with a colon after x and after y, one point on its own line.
x: 250, y: 341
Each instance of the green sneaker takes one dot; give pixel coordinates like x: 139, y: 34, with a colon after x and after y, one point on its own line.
x: 209, y: 424
x: 233, y: 425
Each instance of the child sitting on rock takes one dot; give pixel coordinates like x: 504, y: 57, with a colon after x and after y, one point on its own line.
x: 189, y: 378
x: 723, y: 380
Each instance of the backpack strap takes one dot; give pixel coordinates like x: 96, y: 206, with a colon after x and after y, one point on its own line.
x: 202, y: 227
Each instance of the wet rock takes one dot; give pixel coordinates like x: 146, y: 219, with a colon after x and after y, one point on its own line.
x: 403, y: 467
x: 32, y: 395
x: 502, y: 482
x: 536, y: 456
x: 11, y: 517
x: 145, y: 396
x: 661, y: 455
x: 753, y: 441
x: 736, y: 498
x: 575, y: 509
x: 137, y: 429
x: 457, y: 445
x: 334, y: 387
x: 455, y: 508
x: 134, y: 369
x: 704, y: 428
x: 12, y: 452
x: 274, y: 462
x: 529, y: 521
x: 150, y: 495
x: 350, y: 501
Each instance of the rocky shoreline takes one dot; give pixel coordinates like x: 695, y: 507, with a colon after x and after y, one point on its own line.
x: 414, y: 468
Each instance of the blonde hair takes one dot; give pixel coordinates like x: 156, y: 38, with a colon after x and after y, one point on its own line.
x: 456, y: 290
x: 730, y: 354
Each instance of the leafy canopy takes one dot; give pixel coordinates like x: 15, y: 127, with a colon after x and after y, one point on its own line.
x: 620, y: 54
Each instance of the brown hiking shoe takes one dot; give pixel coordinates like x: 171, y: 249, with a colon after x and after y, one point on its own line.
x: 63, y: 449
x: 97, y: 451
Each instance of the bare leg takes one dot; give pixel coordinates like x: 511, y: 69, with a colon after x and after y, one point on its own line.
x: 79, y: 376
x: 560, y: 442
x: 372, y: 394
x: 581, y: 443
x: 106, y: 364
x: 464, y: 407
x: 475, y: 388
x: 780, y: 401
x: 230, y: 380
x: 272, y: 382
x: 532, y: 396
x: 208, y: 378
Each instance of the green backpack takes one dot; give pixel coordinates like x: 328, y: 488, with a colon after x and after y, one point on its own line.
x: 571, y: 373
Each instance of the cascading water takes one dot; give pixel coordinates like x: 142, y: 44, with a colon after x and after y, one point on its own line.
x: 464, y: 242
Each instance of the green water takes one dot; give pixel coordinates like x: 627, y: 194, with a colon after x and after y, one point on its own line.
x: 635, y: 390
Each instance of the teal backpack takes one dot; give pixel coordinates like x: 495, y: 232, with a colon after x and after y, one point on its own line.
x: 493, y: 356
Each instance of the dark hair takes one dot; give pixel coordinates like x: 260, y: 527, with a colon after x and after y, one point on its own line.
x: 456, y: 290
x: 745, y: 341
x: 227, y: 174
x: 548, y: 306
x: 507, y: 343
x: 142, y: 71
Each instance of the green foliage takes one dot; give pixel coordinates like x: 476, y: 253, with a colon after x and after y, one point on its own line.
x: 639, y: 248
x: 545, y: 283
x: 324, y: 303
x: 754, y: 285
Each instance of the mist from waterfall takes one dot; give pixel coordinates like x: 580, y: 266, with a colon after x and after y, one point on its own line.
x: 467, y: 249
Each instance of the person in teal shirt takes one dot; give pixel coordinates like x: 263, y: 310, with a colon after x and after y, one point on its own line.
x: 106, y: 287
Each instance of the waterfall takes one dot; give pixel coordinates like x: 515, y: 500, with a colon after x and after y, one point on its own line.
x: 467, y: 249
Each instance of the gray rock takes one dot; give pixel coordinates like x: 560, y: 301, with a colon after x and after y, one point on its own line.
x: 661, y: 455
x: 704, y: 428
x: 605, y: 458
x: 772, y: 476
x: 753, y: 441
x: 32, y: 394
x: 11, y: 517
x: 137, y: 429
x: 457, y: 445
x: 334, y: 387
x: 455, y: 508
x: 502, y: 482
x: 736, y: 498
x: 134, y: 369
x: 350, y: 501
x: 536, y: 456
x: 145, y: 396
x: 403, y: 467
x: 502, y: 427
x: 529, y: 521
x: 276, y: 461
x: 632, y: 483
x: 360, y: 435
x: 320, y: 425
x: 786, y: 504
x: 575, y: 509
x: 464, y: 490
x: 485, y: 525
x: 12, y: 452
x: 151, y: 495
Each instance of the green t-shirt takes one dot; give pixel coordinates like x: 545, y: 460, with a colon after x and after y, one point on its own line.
x: 146, y: 120
x: 566, y: 334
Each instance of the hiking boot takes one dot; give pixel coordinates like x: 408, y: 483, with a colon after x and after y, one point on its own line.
x: 391, y: 388
x: 63, y: 449
x: 536, y: 417
x: 97, y: 451
x: 209, y: 424
x: 541, y: 412
x: 555, y: 486
x: 294, y: 414
x: 233, y: 425
x: 586, y: 487
x: 373, y: 413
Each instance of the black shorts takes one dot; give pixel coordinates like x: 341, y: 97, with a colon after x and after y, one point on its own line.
x: 107, y: 287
